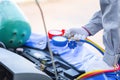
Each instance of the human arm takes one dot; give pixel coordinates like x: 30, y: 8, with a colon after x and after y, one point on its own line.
x: 93, y: 26
x: 111, y: 25
x: 95, y: 23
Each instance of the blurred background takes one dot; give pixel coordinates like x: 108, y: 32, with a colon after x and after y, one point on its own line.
x: 60, y: 14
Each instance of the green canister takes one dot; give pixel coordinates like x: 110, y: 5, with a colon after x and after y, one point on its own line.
x: 14, y: 27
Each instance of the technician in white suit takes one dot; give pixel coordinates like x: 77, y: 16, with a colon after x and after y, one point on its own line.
x: 108, y: 19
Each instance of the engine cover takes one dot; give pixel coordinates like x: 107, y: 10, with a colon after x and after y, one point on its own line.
x: 20, y: 68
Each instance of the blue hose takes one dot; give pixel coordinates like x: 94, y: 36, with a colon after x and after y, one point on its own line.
x: 85, y: 41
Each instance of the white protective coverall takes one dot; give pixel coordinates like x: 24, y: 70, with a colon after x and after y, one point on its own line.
x: 108, y: 19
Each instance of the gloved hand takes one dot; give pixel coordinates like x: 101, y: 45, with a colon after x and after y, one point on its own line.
x: 76, y: 33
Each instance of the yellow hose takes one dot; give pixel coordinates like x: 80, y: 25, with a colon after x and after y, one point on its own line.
x: 96, y: 71
x: 95, y: 44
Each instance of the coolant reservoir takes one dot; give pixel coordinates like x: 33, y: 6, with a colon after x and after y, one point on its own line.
x: 14, y: 27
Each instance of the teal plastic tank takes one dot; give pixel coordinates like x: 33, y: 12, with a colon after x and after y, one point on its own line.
x: 14, y: 27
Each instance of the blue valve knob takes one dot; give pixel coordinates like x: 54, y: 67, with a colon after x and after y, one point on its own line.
x: 72, y: 44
